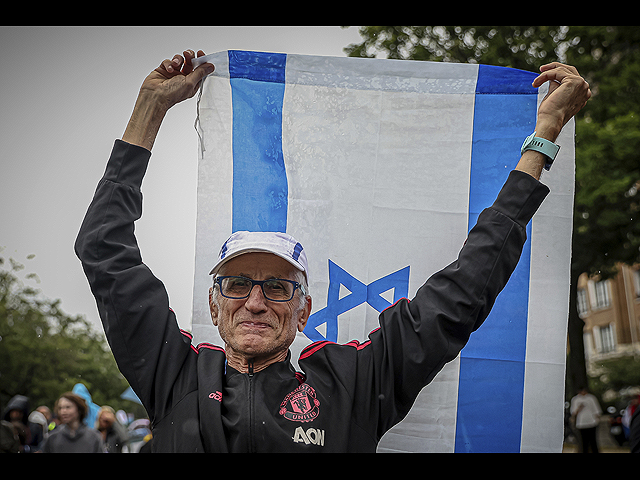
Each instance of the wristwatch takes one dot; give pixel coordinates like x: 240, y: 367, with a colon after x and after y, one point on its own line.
x: 542, y: 145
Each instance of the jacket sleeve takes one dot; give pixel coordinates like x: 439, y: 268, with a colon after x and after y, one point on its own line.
x: 133, y: 304
x: 418, y: 337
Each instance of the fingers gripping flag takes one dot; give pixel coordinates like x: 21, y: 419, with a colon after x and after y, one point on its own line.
x: 380, y: 169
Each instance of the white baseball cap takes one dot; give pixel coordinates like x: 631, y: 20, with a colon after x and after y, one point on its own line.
x: 280, y: 244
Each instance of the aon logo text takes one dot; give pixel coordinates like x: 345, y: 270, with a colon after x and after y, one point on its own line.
x: 310, y: 436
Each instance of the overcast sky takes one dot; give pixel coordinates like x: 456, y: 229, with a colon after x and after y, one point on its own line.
x: 66, y: 95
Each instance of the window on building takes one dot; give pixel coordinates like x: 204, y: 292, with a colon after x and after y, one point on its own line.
x: 583, y: 307
x: 607, y: 339
x: 588, y: 345
x: 603, y: 296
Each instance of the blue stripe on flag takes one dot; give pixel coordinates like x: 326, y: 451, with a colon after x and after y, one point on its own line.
x: 260, y: 189
x: 491, y: 382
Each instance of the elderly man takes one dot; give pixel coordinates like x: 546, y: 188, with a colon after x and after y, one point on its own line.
x: 248, y: 397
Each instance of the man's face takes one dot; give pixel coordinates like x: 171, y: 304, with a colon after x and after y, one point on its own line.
x: 255, y: 327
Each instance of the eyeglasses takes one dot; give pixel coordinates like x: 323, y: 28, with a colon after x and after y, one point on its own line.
x: 274, y: 289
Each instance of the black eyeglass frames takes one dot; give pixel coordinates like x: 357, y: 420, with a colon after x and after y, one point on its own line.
x: 274, y: 289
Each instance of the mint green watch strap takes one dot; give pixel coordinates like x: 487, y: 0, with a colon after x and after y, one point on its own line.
x: 542, y: 145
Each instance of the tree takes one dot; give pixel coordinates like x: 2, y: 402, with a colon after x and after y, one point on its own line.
x: 606, y: 228
x: 517, y: 47
x: 616, y: 380
x: 44, y: 352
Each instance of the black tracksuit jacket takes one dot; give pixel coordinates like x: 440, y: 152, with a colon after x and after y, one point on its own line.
x: 346, y: 396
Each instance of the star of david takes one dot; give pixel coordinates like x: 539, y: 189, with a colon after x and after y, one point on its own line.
x: 360, y: 293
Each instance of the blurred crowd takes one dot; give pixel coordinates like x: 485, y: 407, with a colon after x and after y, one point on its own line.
x: 75, y: 425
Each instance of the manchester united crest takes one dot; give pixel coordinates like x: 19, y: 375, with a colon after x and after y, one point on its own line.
x: 301, y: 405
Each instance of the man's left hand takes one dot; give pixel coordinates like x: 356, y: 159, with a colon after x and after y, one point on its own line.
x: 568, y: 94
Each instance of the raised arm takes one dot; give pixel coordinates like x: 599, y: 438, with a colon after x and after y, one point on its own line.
x: 568, y: 94
x: 133, y: 304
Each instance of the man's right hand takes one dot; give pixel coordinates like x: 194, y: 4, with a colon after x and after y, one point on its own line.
x: 568, y: 94
x: 172, y: 82
x: 176, y: 80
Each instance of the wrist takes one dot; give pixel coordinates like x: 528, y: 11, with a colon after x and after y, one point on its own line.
x: 548, y: 128
x: 145, y: 120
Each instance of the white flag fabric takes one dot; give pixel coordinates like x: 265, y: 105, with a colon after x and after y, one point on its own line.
x: 380, y: 169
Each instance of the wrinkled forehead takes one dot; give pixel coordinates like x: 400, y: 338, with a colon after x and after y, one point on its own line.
x: 259, y: 266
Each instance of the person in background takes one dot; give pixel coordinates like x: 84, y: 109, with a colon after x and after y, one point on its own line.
x: 586, y: 411
x: 38, y: 426
x: 17, y: 413
x: 632, y: 415
x: 113, y: 433
x: 72, y: 436
x: 51, y: 423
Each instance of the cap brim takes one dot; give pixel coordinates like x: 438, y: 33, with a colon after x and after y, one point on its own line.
x: 218, y: 266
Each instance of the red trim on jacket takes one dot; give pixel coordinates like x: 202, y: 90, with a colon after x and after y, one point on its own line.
x: 314, y: 347
x: 201, y: 345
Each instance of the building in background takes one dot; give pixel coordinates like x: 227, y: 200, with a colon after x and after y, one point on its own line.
x: 611, y: 311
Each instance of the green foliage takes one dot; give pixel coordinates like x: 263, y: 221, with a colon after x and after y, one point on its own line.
x: 614, y: 377
x: 606, y: 204
x: 606, y: 219
x: 44, y: 352
x: 518, y: 47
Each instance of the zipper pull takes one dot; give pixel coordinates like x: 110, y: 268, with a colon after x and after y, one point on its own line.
x: 251, y: 368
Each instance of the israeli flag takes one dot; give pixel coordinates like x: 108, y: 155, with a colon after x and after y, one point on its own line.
x: 380, y: 169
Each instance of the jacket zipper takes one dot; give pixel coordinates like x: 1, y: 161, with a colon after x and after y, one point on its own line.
x: 251, y: 409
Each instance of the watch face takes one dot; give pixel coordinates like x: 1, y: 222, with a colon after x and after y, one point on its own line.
x: 527, y: 141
